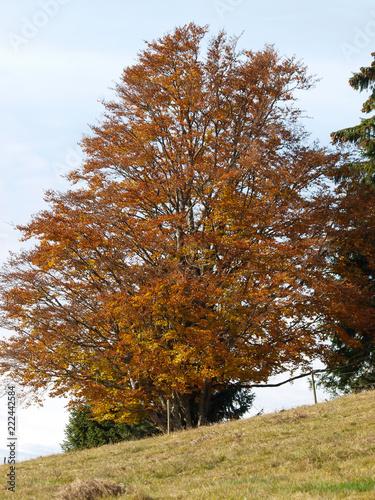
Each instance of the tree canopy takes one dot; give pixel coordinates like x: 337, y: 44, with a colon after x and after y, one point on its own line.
x: 191, y: 254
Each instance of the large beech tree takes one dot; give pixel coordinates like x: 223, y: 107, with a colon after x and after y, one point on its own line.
x: 190, y: 255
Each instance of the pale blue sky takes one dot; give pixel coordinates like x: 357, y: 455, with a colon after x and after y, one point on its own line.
x: 59, y: 57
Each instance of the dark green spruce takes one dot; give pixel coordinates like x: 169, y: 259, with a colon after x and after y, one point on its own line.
x: 363, y: 134
x: 355, y: 370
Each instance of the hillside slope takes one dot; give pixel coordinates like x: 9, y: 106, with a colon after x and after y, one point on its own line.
x: 321, y: 451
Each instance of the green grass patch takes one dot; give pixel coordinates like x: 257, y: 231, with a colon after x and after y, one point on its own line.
x: 359, y: 485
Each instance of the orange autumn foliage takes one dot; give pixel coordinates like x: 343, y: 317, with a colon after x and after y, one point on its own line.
x: 191, y: 255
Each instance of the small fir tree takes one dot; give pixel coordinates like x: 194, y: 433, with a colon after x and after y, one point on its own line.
x: 83, y: 431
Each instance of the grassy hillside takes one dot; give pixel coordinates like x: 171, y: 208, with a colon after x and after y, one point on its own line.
x: 322, y: 451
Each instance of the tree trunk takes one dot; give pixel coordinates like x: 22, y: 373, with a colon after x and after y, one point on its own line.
x: 204, y: 403
x: 185, y: 405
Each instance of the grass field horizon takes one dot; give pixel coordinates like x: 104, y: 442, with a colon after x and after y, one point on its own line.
x: 322, y: 451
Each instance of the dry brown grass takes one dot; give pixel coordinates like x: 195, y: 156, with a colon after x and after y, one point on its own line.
x: 89, y: 490
x: 324, y: 451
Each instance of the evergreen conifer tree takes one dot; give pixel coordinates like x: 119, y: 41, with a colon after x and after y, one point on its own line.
x: 363, y: 134
x: 83, y: 431
x: 353, y: 362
